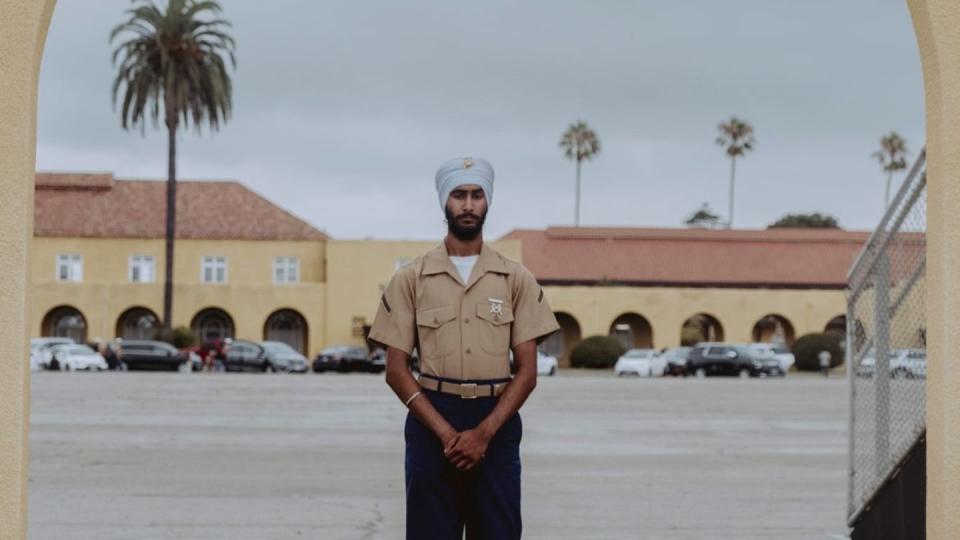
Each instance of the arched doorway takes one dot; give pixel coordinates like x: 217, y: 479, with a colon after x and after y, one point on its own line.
x: 287, y: 326
x: 137, y: 323
x: 773, y: 328
x: 561, y: 343
x: 65, y: 321
x: 633, y: 331
x: 700, y: 327
x: 837, y: 325
x: 212, y: 323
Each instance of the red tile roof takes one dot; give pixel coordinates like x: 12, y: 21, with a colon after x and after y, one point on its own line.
x: 99, y: 206
x: 777, y: 258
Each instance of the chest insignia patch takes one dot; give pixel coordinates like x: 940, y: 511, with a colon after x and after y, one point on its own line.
x: 496, y: 307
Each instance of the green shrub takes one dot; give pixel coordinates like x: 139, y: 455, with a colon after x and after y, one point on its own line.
x: 806, y: 350
x: 597, y: 352
x: 180, y: 337
x: 690, y: 336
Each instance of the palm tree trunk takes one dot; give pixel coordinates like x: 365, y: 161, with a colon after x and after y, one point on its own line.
x: 733, y: 173
x: 171, y: 223
x: 576, y: 212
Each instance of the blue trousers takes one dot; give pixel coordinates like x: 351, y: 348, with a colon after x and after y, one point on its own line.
x: 442, y: 500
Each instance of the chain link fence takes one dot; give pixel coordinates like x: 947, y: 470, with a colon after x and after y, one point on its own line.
x: 886, y: 343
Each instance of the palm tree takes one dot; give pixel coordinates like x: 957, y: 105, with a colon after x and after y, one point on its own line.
x: 736, y: 136
x: 892, y: 157
x: 579, y: 142
x: 175, y: 59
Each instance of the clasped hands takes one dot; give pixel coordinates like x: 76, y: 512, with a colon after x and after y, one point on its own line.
x: 466, y: 449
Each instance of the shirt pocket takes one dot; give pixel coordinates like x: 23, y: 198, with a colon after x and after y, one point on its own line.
x: 437, y: 336
x: 495, y: 328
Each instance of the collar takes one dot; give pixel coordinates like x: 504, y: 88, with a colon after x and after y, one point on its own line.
x: 437, y: 261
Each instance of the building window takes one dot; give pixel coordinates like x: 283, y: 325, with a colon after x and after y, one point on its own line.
x: 214, y: 270
x: 142, y: 269
x: 289, y: 327
x: 286, y: 270
x: 65, y: 321
x: 69, y: 267
x: 212, y: 324
x: 138, y: 323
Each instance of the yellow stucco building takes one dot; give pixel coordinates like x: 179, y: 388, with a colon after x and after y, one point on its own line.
x: 245, y: 268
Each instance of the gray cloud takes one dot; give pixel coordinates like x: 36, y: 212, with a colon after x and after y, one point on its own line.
x: 343, y: 109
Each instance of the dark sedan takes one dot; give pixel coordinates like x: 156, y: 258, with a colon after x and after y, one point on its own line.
x: 154, y: 355
x: 729, y: 359
x: 344, y: 358
x: 283, y: 357
x: 249, y: 356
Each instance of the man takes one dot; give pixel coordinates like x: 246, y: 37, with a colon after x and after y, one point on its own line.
x: 463, y: 306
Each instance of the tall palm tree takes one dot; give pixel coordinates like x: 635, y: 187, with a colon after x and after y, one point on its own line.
x: 892, y: 157
x: 173, y: 58
x: 736, y: 137
x: 579, y: 142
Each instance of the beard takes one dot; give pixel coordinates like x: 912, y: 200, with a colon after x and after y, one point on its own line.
x: 464, y: 232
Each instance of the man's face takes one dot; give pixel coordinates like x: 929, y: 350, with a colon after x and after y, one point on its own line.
x: 466, y: 211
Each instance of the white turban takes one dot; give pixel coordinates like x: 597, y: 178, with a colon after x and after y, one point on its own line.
x: 462, y: 171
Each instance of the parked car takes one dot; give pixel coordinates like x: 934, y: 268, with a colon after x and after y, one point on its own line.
x: 152, y: 355
x: 641, y: 362
x: 909, y: 364
x: 904, y: 364
x: 245, y: 355
x: 40, y: 349
x: 284, y: 357
x: 546, y: 364
x: 729, y: 359
x: 676, y: 360
x: 73, y: 357
x: 378, y: 360
x: 775, y: 350
x: 343, y: 358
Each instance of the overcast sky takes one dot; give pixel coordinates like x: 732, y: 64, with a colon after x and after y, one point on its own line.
x: 344, y: 109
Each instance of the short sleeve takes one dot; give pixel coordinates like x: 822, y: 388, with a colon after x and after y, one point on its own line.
x: 395, y: 324
x: 532, y: 316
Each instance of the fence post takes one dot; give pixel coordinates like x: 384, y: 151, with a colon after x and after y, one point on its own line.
x: 881, y: 346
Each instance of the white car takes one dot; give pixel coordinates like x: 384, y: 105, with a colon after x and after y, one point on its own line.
x: 78, y: 357
x: 908, y: 364
x: 780, y: 352
x: 546, y: 364
x: 40, y: 350
x: 641, y: 362
x: 904, y: 364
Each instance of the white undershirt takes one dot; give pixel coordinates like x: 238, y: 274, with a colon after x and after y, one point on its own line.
x: 464, y: 265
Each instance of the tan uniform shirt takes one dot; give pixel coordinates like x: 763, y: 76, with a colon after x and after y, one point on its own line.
x: 462, y: 331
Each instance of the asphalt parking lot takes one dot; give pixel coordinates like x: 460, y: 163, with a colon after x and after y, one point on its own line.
x: 245, y: 456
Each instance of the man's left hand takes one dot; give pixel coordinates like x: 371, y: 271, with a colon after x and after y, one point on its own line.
x: 468, y: 450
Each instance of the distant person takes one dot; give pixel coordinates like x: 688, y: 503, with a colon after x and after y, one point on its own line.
x: 112, y: 353
x: 208, y: 355
x: 467, y: 306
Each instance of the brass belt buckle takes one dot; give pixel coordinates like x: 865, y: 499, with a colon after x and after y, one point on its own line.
x: 468, y: 391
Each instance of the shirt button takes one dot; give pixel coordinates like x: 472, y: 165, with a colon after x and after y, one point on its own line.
x: 466, y: 321
x: 468, y: 351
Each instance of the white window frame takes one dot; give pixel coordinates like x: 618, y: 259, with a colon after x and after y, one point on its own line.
x: 142, y: 262
x: 74, y: 265
x: 283, y: 267
x: 213, y: 263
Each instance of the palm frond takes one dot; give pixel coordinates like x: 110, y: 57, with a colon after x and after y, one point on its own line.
x: 173, y: 60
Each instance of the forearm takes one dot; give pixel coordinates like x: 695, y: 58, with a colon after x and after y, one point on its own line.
x: 404, y: 385
x: 517, y: 391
